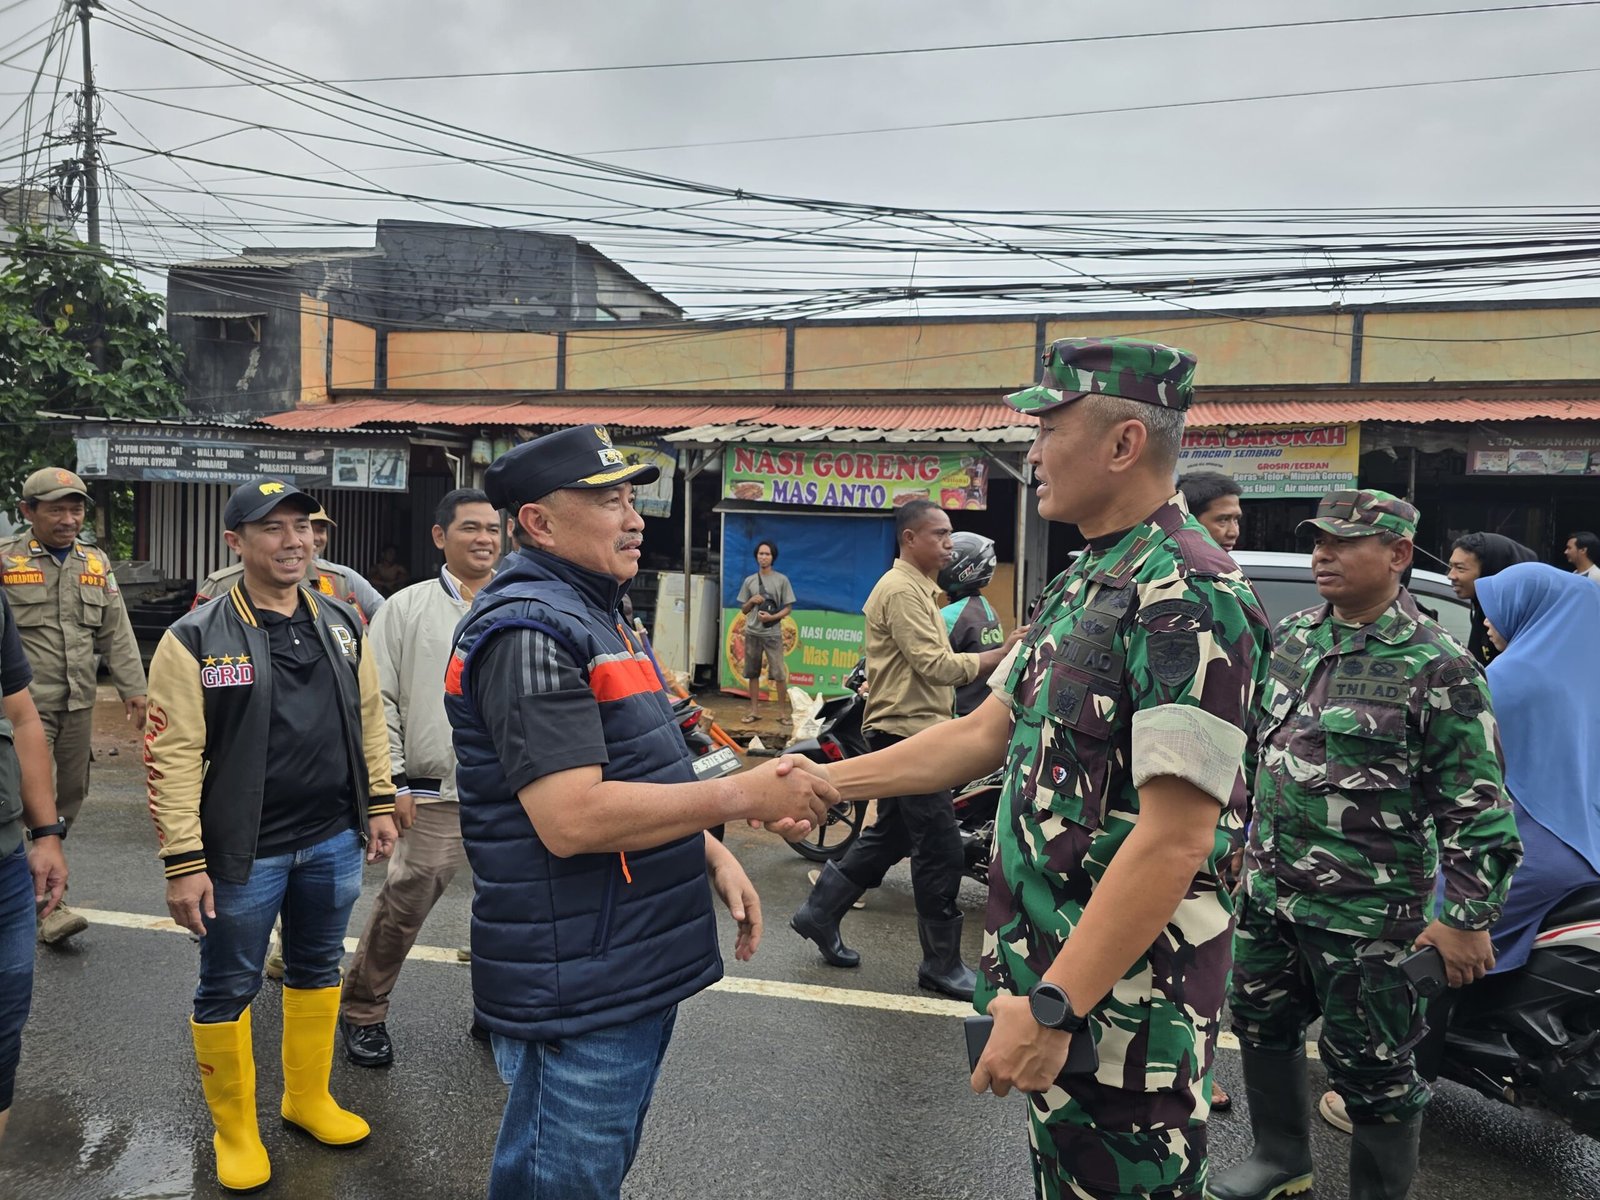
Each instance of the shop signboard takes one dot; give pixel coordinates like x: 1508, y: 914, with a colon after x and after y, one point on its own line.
x: 827, y: 477
x: 209, y: 455
x: 652, y: 499
x: 1531, y: 448
x: 1278, y: 461
x: 820, y: 649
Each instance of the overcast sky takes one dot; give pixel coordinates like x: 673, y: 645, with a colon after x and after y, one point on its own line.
x: 1527, y: 141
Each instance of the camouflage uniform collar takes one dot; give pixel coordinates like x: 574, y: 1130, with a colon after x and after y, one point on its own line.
x: 1116, y: 566
x: 1394, y: 625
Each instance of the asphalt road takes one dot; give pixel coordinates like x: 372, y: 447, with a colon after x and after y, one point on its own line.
x: 777, y: 1084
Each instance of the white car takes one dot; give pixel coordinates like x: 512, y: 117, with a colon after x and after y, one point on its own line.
x: 1283, y: 581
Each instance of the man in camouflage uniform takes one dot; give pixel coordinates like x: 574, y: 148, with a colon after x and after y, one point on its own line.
x: 1120, y: 721
x: 70, y: 613
x: 1378, y: 765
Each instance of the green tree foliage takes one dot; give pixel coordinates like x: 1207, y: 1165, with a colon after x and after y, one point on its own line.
x: 78, y: 335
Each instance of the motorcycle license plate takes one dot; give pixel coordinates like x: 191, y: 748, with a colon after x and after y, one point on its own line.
x: 720, y: 762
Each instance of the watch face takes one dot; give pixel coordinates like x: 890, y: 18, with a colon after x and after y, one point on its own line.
x: 1049, y: 1006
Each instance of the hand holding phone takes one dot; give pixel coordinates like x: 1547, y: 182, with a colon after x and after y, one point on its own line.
x: 1082, y: 1057
x: 1425, y: 969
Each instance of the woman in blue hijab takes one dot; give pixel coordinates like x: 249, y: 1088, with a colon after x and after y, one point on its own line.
x: 1546, y: 688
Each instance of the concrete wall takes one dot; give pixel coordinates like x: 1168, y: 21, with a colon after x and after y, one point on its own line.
x: 315, y: 330
x: 237, y: 376
x: 1488, y: 345
x: 355, y: 355
x: 1276, y: 349
x: 1271, y: 349
x: 976, y: 355
x: 510, y: 361
x: 693, y: 359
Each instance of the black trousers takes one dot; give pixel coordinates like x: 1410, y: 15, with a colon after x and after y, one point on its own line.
x: 923, y: 827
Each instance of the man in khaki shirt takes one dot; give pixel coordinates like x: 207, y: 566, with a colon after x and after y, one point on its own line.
x: 914, y: 674
x: 68, y: 610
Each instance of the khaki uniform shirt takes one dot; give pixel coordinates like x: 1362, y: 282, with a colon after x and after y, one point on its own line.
x: 67, y: 613
x: 913, y: 672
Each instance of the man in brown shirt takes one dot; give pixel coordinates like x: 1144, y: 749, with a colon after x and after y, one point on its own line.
x: 914, y: 674
x: 70, y: 612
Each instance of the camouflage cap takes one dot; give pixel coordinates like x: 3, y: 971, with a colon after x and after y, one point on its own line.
x: 1350, y: 513
x: 1077, y: 367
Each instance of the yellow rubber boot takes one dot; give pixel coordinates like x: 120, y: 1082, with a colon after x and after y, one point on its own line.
x: 228, y: 1075
x: 310, y: 1016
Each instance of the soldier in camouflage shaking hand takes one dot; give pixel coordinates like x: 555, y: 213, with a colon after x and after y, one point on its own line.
x: 1120, y: 720
x: 1379, y: 769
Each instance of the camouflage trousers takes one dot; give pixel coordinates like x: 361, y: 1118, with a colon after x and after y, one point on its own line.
x: 1091, y: 1141
x: 1286, y: 974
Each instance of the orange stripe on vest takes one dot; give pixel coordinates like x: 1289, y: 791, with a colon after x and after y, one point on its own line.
x: 452, y: 675
x: 621, y: 679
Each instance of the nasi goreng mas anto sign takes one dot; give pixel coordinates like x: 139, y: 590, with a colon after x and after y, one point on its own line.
x: 1278, y: 460
x: 863, y: 479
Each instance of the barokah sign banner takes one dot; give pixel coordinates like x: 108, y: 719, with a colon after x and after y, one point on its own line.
x: 1278, y: 460
x: 860, y: 479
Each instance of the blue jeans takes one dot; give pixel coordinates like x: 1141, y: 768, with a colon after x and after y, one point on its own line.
x: 576, y: 1110
x: 17, y: 931
x: 315, y: 889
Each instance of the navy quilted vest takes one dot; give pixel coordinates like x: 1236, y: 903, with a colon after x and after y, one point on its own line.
x: 564, y: 946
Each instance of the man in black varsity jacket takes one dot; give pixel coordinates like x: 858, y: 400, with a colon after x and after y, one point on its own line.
x: 268, y: 764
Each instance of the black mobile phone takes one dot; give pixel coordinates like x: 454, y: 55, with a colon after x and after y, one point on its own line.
x: 1082, y: 1057
x: 1425, y: 969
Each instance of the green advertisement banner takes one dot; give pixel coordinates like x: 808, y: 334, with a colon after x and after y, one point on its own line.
x: 820, y: 648
x: 860, y: 479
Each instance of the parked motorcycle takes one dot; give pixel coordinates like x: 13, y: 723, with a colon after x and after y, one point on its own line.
x: 711, y: 761
x: 1530, y: 1037
x: 840, y: 737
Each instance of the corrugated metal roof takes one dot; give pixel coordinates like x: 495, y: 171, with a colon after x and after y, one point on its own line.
x: 897, y: 421
x: 1465, y: 410
x: 350, y: 413
x: 716, y: 435
x: 220, y: 316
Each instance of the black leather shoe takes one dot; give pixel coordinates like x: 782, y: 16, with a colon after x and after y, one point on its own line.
x: 367, y: 1045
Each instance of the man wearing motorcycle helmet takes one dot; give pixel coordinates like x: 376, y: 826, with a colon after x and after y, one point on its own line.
x: 968, y: 619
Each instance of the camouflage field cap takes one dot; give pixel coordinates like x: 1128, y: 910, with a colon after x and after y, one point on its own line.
x: 1352, y: 513
x: 1077, y: 367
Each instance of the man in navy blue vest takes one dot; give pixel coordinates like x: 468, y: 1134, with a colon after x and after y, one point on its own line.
x: 584, y: 824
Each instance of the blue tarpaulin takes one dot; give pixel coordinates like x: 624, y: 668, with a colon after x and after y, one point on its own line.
x: 832, y: 561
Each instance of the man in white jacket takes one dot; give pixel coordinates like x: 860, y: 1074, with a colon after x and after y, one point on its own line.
x: 410, y: 640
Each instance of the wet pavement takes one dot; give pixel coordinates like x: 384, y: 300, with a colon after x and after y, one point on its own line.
x: 769, y: 1090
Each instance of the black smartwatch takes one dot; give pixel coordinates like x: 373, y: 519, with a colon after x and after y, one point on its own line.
x: 1052, y: 1009
x: 59, y: 829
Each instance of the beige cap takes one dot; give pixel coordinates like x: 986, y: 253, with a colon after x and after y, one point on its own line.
x: 322, y: 515
x: 53, y: 483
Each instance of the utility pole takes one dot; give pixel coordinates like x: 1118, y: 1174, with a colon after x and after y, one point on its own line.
x: 91, y: 131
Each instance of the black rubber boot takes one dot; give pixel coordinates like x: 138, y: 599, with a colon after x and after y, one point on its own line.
x: 1383, y: 1160
x: 941, y: 969
x: 1279, y: 1095
x: 818, y: 918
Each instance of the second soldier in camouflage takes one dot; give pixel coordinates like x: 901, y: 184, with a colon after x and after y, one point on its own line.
x: 1378, y: 769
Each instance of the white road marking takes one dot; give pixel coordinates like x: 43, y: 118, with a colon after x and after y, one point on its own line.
x: 925, y: 1006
